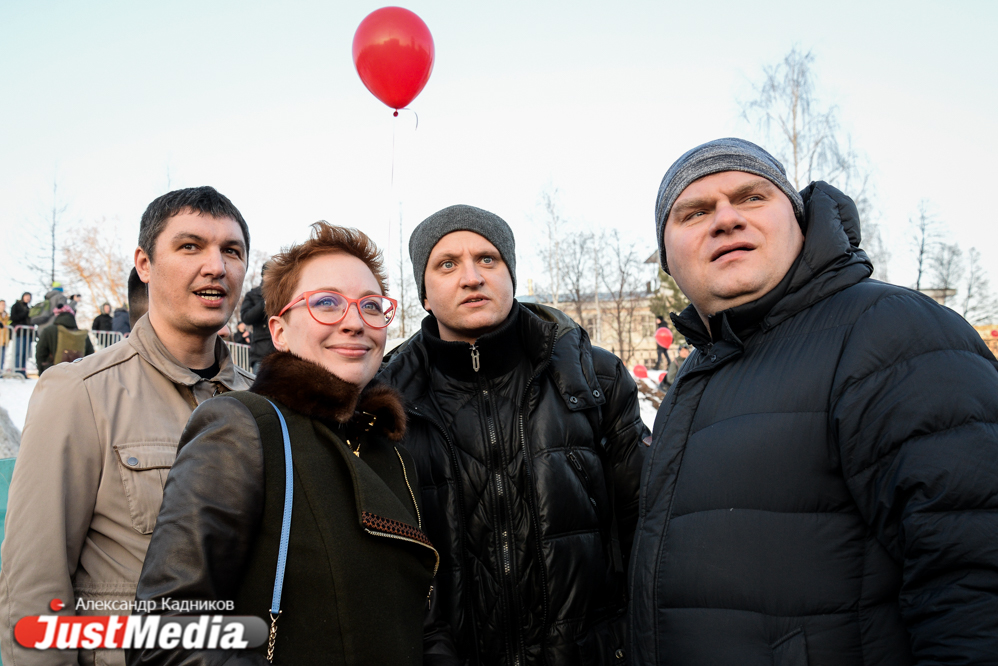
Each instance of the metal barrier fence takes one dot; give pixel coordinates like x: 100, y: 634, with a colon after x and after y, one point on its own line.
x: 102, y: 339
x: 20, y: 356
x: 240, y: 355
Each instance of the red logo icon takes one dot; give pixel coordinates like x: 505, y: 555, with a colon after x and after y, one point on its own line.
x: 56, y: 605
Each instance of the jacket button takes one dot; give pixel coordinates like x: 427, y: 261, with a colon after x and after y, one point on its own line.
x: 595, y: 394
x: 619, y: 654
x: 132, y: 462
x: 573, y: 400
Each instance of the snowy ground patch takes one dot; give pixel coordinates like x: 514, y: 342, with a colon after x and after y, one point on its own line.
x: 649, y: 398
x: 14, y: 396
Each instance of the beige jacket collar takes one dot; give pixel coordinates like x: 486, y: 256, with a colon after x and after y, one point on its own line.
x: 147, y: 344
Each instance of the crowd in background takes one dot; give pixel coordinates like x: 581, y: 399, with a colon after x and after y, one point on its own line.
x: 57, y: 337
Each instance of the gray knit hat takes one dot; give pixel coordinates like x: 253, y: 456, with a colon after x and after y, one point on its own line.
x: 459, y: 218
x: 714, y: 157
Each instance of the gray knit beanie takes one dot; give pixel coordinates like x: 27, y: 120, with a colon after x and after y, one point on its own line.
x: 714, y: 157
x: 459, y: 218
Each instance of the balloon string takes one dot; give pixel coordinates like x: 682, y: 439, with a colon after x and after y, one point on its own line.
x: 391, y: 196
x: 406, y: 108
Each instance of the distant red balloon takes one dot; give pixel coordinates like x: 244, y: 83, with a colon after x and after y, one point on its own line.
x: 661, y: 376
x: 663, y: 337
x: 640, y: 371
x: 393, y: 52
x: 994, y: 333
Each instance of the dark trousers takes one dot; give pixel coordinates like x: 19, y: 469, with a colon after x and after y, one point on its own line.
x: 22, y: 349
x: 662, y: 351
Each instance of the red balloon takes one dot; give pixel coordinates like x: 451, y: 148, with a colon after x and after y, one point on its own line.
x: 661, y: 376
x: 393, y: 52
x: 640, y: 371
x: 663, y: 337
x: 994, y: 333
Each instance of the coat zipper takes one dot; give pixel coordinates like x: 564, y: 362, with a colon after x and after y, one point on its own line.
x: 505, y: 536
x: 584, y: 478
x: 419, y: 523
x: 534, y: 516
x: 475, y: 358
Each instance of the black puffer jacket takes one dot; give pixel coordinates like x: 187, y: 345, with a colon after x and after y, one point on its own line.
x: 822, y: 483
x: 19, y: 314
x: 515, y: 463
x: 254, y: 313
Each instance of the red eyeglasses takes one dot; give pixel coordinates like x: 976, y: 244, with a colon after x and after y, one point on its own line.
x: 330, y: 308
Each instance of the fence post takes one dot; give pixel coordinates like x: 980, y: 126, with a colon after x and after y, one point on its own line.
x: 240, y: 355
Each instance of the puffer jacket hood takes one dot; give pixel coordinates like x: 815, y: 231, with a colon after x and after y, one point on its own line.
x: 523, y: 464
x: 820, y: 487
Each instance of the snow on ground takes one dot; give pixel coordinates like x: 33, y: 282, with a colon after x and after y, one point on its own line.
x: 649, y: 397
x: 14, y: 395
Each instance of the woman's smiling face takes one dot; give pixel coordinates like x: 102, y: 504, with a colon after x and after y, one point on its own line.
x: 350, y: 349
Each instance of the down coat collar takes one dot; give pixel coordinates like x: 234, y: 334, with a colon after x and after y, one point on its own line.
x: 830, y: 261
x: 310, y: 389
x: 551, y: 341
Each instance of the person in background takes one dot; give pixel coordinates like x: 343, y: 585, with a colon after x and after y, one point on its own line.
x: 242, y: 336
x: 4, y: 332
x: 660, y: 351
x: 101, y: 434
x: 74, y: 302
x: 254, y: 313
x: 20, y: 316
x: 62, y: 341
x: 676, y: 364
x: 103, y: 321
x: 359, y: 567
x: 54, y: 298
x: 138, y: 298
x: 120, y: 322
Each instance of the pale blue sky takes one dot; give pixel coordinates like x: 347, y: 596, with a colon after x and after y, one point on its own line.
x: 262, y: 101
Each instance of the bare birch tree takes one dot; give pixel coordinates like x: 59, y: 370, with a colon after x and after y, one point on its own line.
x: 807, y: 138
x: 979, y: 305
x: 410, y: 311
x: 620, y: 273
x: 923, y: 240
x: 576, y: 258
x: 946, y: 265
x: 553, y: 223
x: 47, y: 240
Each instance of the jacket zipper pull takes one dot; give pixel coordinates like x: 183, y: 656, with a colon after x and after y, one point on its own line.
x: 583, y: 476
x: 475, y: 358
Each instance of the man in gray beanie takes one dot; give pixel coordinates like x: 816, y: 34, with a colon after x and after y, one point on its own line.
x: 529, y: 442
x: 812, y: 496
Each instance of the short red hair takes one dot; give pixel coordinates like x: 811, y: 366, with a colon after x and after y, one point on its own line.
x: 284, y: 269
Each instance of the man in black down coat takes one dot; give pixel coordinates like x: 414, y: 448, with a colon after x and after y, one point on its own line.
x: 823, y: 482
x: 529, y: 444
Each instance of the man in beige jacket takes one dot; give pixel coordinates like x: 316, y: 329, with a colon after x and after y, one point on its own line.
x: 101, y: 433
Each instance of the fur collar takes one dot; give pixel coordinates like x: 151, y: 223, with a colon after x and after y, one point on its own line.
x: 310, y: 389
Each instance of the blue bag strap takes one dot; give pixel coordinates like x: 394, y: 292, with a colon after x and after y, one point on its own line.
x: 282, y: 556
